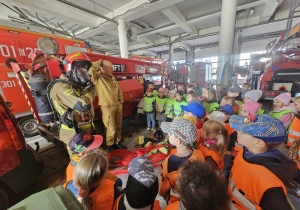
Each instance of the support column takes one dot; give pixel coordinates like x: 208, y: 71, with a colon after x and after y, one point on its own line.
x: 171, y: 53
x: 190, y: 55
x: 228, y: 20
x: 237, y: 47
x: 123, y: 38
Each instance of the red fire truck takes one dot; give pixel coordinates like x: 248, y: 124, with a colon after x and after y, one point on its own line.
x: 129, y: 73
x: 282, y: 72
x: 17, y: 46
x: 20, y: 45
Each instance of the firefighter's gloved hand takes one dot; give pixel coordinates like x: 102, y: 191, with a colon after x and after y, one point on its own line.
x: 78, y: 106
x: 97, y: 64
x: 89, y: 85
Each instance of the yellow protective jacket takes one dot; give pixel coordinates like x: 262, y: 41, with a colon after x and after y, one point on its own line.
x: 107, y: 87
x: 63, y: 96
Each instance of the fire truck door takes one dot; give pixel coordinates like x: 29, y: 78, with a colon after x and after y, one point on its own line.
x: 9, y: 85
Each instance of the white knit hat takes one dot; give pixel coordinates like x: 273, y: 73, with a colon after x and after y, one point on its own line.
x: 254, y: 95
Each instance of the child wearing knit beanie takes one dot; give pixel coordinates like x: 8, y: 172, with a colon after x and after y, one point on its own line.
x: 254, y: 95
x: 249, y: 109
x: 283, y: 109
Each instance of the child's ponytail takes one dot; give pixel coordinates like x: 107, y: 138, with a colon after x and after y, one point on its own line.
x: 222, y: 144
x: 88, y: 174
x: 221, y: 135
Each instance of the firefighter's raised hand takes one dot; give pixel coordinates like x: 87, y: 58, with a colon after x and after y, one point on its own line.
x: 98, y: 64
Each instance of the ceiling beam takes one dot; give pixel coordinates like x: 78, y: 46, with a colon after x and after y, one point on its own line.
x: 177, y: 17
x: 55, y: 9
x: 143, y: 7
x: 269, y: 9
x: 200, y: 18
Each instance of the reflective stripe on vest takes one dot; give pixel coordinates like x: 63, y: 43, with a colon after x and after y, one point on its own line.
x: 290, y: 140
x: 63, y: 126
x: 148, y: 104
x: 177, y: 108
x: 161, y: 103
x: 240, y: 196
x: 174, y: 193
x: 169, y: 106
x: 295, y: 133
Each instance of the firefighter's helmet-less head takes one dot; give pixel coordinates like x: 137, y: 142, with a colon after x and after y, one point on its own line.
x: 76, y: 66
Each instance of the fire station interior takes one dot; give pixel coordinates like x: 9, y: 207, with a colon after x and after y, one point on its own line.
x: 172, y: 44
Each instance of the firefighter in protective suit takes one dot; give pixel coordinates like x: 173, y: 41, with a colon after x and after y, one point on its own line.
x: 110, y: 101
x: 72, y: 97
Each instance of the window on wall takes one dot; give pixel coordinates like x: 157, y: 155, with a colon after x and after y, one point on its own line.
x: 245, y: 58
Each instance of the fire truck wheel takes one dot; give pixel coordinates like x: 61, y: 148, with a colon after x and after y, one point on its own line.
x: 3, y: 200
x: 28, y: 126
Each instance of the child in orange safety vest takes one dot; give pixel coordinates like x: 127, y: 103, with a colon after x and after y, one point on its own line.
x: 182, y: 133
x: 80, y: 144
x: 200, y: 188
x: 141, y: 188
x: 93, y: 190
x: 214, y: 142
x: 261, y: 174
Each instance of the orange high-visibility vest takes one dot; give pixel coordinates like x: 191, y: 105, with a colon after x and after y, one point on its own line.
x: 103, y: 196
x: 211, y: 153
x: 248, y: 182
x: 168, y: 188
x: 294, y: 132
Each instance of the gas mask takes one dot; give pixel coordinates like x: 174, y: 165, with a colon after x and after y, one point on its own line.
x: 80, y: 74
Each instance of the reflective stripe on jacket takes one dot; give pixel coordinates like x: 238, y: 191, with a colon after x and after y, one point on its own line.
x: 248, y: 183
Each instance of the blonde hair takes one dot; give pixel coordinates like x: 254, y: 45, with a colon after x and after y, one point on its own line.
x: 88, y: 173
x: 221, y: 134
x: 298, y: 98
x: 211, y: 93
x: 230, y: 101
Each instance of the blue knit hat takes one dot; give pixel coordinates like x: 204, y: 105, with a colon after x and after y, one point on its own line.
x: 196, y: 109
x: 262, y: 126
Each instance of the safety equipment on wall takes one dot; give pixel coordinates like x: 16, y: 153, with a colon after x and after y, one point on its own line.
x: 39, y: 84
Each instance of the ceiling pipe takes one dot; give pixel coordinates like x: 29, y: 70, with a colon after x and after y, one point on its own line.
x: 88, y: 11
